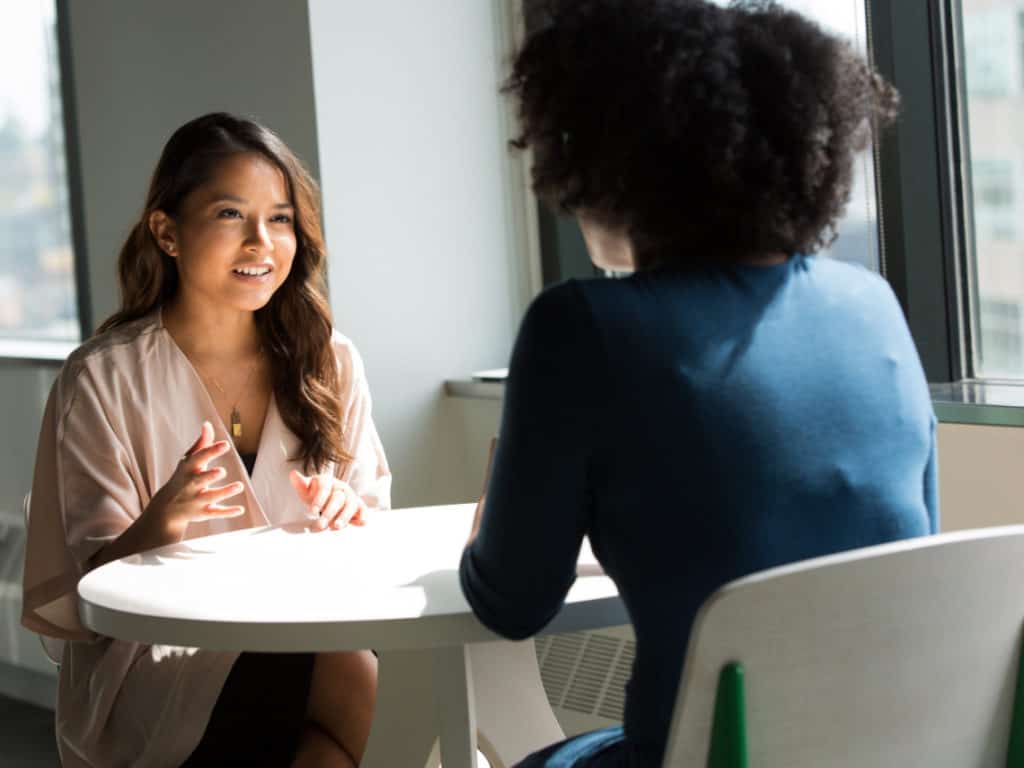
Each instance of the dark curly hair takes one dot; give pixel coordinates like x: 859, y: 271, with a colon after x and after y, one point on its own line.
x: 708, y: 134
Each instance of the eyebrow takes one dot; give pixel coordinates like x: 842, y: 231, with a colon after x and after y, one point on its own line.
x: 237, y: 199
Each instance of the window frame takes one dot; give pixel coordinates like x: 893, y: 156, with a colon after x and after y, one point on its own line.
x: 72, y: 158
x: 923, y: 221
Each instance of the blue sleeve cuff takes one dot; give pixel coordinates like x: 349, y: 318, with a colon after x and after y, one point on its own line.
x: 499, y: 614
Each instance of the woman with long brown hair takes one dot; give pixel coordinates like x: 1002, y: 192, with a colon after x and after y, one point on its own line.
x: 218, y: 397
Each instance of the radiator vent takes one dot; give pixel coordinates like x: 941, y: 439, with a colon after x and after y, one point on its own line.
x: 586, y: 672
x: 614, y: 700
x: 557, y: 656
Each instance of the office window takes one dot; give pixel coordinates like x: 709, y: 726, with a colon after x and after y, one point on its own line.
x: 993, y: 149
x: 858, y: 231
x: 38, y: 299
x: 1020, y: 47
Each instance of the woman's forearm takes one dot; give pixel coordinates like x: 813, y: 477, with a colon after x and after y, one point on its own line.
x: 147, y: 532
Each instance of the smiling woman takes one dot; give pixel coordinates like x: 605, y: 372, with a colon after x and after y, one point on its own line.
x: 224, y: 333
x: 244, y: 242
x: 228, y: 194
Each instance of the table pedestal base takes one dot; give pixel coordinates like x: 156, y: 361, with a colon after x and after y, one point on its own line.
x: 453, y: 697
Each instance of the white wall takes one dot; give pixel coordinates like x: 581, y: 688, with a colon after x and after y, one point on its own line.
x: 142, y: 68
x: 428, y: 270
x: 980, y: 471
x: 23, y: 390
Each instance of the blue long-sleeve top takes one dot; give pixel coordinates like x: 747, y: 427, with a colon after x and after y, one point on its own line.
x: 698, y: 427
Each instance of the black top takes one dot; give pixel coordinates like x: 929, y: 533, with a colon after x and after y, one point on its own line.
x: 249, y: 459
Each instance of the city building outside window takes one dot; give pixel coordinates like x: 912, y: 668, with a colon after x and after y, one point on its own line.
x: 1002, y: 344
x: 990, y: 48
x: 993, y: 41
x: 995, y: 213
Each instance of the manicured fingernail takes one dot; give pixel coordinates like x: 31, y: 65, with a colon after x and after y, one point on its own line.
x: 315, y: 511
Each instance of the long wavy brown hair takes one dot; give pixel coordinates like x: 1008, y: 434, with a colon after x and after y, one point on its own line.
x: 295, y: 325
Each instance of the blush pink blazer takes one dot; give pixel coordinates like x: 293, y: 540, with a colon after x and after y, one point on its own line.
x: 124, y: 409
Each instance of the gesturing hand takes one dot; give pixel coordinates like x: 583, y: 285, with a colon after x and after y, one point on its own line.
x: 188, y: 497
x: 330, y: 500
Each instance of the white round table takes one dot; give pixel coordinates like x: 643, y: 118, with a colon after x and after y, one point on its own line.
x: 391, y: 585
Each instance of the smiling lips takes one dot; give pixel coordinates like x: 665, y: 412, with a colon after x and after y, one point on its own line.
x: 253, y: 272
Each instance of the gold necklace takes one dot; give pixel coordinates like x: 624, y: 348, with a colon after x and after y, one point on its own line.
x: 236, y: 416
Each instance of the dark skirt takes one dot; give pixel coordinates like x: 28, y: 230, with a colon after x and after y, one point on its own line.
x: 260, y: 713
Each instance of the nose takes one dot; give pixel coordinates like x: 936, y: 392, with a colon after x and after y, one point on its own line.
x: 258, y: 240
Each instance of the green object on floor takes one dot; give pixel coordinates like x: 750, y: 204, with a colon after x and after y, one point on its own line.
x: 1015, y: 752
x: 729, y: 729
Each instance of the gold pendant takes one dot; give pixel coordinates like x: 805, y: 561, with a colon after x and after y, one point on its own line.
x: 236, y: 423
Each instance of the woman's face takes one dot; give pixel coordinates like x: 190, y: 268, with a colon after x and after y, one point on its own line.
x: 234, y: 237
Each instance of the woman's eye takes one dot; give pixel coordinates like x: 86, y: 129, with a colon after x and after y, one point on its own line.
x: 282, y: 218
x: 229, y: 213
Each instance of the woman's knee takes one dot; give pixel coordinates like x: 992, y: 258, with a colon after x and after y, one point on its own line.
x: 342, y: 697
x: 317, y: 749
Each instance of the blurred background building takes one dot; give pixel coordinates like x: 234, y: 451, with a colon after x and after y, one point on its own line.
x: 37, y: 287
x: 993, y: 42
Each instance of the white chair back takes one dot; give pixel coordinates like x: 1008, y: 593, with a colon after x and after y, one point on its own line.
x: 905, y: 654
x: 52, y: 647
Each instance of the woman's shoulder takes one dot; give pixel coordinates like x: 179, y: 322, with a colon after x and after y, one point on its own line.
x: 350, y: 362
x: 561, y: 302
x: 112, y: 351
x: 560, y: 321
x: 95, y: 373
x: 853, y: 289
x: 847, y: 275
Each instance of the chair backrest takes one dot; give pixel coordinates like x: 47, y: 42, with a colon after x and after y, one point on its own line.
x: 905, y: 654
x: 52, y: 647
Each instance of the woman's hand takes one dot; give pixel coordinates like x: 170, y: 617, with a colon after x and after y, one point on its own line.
x: 331, y: 501
x: 189, y: 496
x: 186, y: 498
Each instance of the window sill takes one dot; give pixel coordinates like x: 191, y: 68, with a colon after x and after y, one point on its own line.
x: 982, y: 403
x: 36, y: 351
x: 475, y: 389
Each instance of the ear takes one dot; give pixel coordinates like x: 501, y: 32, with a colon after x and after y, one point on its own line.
x: 164, y: 231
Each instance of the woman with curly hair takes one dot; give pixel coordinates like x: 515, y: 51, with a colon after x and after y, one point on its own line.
x: 734, y: 404
x: 217, y: 398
